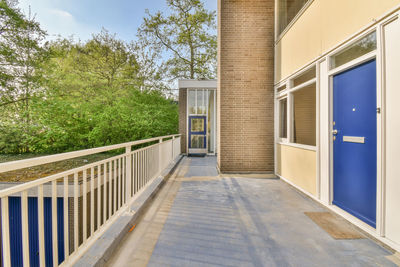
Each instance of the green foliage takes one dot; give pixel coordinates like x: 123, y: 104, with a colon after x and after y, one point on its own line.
x: 187, y: 35
x: 65, y: 95
x: 21, y: 58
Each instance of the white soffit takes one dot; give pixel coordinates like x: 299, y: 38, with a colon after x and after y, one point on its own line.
x: 210, y: 84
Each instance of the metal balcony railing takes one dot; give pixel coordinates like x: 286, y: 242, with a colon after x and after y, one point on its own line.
x: 52, y: 221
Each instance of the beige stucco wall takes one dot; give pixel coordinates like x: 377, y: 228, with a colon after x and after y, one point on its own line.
x: 298, y: 166
x: 322, y: 26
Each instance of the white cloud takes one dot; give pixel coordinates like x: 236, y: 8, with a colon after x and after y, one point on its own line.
x: 55, y: 20
x: 61, y: 13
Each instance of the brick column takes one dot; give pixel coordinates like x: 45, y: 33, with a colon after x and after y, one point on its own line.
x: 245, y: 85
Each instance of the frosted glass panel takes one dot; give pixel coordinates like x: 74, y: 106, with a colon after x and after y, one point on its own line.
x: 192, y: 101
x: 201, y: 102
x: 197, y: 141
x: 197, y: 125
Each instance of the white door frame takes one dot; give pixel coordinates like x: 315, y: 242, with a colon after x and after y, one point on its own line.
x: 331, y: 73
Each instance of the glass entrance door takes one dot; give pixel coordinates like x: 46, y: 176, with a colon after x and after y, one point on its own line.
x: 197, y: 134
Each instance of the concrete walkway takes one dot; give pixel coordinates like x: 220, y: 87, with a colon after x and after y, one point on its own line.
x: 201, y: 219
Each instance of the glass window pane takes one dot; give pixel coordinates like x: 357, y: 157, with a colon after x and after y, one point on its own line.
x: 304, y: 114
x: 287, y: 10
x: 283, y: 118
x: 283, y: 87
x: 197, y: 141
x: 192, y: 101
x: 210, y: 123
x: 201, y: 99
x: 197, y: 125
x: 362, y: 47
x: 306, y: 76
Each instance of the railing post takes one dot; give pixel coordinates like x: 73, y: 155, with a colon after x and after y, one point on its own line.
x: 159, y: 155
x: 128, y: 173
x: 173, y: 141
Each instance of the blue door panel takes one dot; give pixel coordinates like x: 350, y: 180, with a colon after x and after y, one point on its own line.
x: 354, y: 164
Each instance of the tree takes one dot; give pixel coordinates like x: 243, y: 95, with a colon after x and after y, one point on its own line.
x: 65, y: 95
x: 94, y: 96
x: 21, y: 58
x: 186, y: 35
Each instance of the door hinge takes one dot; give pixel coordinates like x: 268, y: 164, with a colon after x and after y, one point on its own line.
x: 378, y: 110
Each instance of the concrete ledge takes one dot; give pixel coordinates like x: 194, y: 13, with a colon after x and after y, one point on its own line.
x: 100, y: 252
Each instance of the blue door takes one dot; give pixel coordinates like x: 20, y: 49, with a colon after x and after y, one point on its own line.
x: 354, y: 141
x: 197, y: 134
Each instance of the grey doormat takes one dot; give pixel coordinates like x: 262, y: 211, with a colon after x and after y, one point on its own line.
x: 335, y: 226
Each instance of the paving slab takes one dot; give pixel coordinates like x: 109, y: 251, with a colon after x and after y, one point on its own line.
x: 229, y: 221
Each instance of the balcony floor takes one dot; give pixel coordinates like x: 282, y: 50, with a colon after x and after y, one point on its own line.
x: 201, y: 219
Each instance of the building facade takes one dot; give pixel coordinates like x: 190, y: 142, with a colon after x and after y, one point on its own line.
x: 308, y: 89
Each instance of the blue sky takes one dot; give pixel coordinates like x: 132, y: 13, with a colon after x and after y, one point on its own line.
x: 81, y: 18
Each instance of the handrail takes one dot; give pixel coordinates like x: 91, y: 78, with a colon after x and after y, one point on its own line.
x: 26, y: 163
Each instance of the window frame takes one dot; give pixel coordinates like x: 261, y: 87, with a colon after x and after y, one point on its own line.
x: 283, y: 139
x: 279, y: 36
x: 288, y: 93
x: 294, y: 90
x: 346, y: 46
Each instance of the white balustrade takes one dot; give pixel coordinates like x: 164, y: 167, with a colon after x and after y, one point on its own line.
x: 93, y: 196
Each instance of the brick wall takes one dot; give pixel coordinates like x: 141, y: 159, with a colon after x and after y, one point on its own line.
x: 182, y: 117
x: 245, y: 85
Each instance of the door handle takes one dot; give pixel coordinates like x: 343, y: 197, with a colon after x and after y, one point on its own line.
x: 334, y: 132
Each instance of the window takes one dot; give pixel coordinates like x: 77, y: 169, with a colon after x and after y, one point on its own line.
x: 361, y: 47
x: 283, y: 118
x: 211, y: 121
x: 304, y: 116
x: 201, y: 99
x: 306, y: 76
x: 287, y: 11
x: 197, y: 125
x: 283, y: 87
x: 197, y: 101
x: 297, y: 110
x: 192, y: 101
x: 197, y: 141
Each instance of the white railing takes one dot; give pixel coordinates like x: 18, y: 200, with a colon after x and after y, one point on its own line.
x: 70, y: 210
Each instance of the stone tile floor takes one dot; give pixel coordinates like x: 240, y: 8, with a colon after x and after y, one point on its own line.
x: 200, y: 219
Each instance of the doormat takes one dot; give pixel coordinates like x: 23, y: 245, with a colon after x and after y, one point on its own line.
x: 335, y: 226
x: 199, y: 155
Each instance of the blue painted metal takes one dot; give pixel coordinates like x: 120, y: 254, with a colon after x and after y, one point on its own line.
x: 14, y: 204
x: 33, y: 228
x: 354, y: 164
x: 204, y: 132
x: 16, y: 231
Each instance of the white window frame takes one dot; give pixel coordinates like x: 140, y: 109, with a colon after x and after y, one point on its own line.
x: 283, y: 139
x: 288, y: 93
x: 279, y: 36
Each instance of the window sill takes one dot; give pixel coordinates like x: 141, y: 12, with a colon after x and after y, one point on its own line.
x: 306, y: 147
